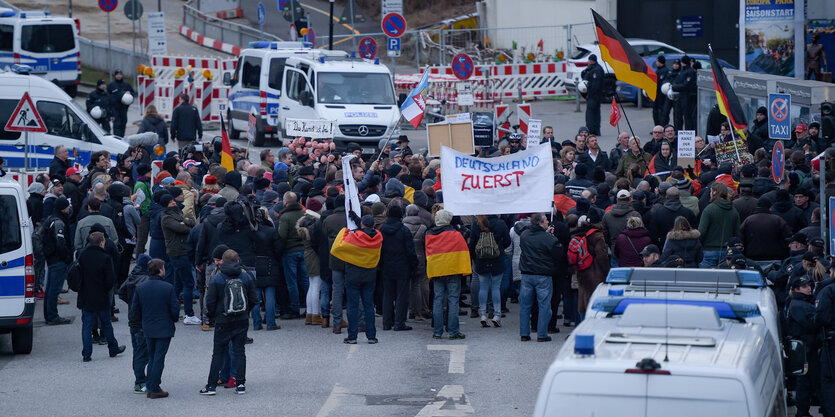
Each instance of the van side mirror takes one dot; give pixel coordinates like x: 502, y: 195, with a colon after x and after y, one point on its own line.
x: 227, y: 78
x: 306, y: 98
x: 797, y: 364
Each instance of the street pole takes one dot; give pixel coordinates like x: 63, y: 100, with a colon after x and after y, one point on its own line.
x: 330, y: 31
x: 109, y: 49
x: 159, y: 5
x: 133, y: 30
x: 69, y: 8
x: 351, y: 9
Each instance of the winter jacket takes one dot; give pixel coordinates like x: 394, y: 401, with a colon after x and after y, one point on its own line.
x: 215, y: 310
x: 541, y: 252
x: 142, y: 185
x: 157, y: 125
x: 418, y: 230
x: 208, y: 236
x: 515, y: 249
x: 82, y: 229
x: 175, y: 228
x: 800, y: 317
x: 331, y: 227
x: 357, y: 275
x: 304, y: 228
x: 602, y: 160
x: 398, y: 260
x: 588, y: 279
x: 319, y: 244
x: 97, y: 279
x: 189, y: 207
x: 35, y: 206
x: 719, y: 223
x: 683, y: 245
x: 156, y: 307
x: 758, y: 136
x: 629, y: 244
x: 630, y: 158
x: 236, y: 233
x: 689, y: 201
x: 664, y: 217
x: 58, y: 168
x: 614, y: 221
x: 791, y: 214
x: 745, y: 206
x: 116, y: 89
x: 576, y: 186
x: 493, y: 266
x: 290, y: 215
x: 126, y: 292
x: 185, y: 123
x: 59, y: 248
x: 662, y: 167
x: 764, y: 235
x: 268, y: 268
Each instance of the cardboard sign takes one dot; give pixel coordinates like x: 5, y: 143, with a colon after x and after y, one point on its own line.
x: 458, y: 136
x: 310, y: 128
x: 534, y: 132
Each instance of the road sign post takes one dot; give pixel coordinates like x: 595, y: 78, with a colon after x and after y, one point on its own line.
x: 108, y: 6
x: 393, y: 25
x: 25, y: 118
x: 262, y: 17
x: 779, y: 120
x: 368, y: 48
x: 462, y: 66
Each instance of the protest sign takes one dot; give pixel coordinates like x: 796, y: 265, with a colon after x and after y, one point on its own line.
x: 456, y: 135
x: 349, y: 187
x: 686, y: 147
x: 534, y: 132
x: 518, y: 183
x: 733, y: 152
x: 309, y: 128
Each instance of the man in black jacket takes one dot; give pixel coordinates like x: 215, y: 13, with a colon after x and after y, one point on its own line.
x: 593, y: 74
x: 57, y: 248
x: 176, y: 228
x: 60, y: 163
x: 140, y: 348
x: 758, y: 132
x: 800, y: 325
x: 186, y: 125
x: 658, y: 115
x: 118, y: 110
x: 685, y: 85
x: 541, y: 253
x: 825, y: 320
x: 101, y: 99
x: 398, y: 261
x: 97, y: 279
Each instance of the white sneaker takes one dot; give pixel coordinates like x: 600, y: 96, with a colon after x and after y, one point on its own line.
x: 191, y: 320
x: 497, y: 321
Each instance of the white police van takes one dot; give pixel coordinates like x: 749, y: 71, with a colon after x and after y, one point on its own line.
x: 66, y: 123
x: 17, y: 273
x: 276, y: 81
x: 670, y: 359
x: 47, y: 44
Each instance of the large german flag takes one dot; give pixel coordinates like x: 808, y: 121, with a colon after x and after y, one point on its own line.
x: 629, y: 67
x: 357, y: 248
x: 726, y: 97
x: 226, y: 160
x: 447, y: 254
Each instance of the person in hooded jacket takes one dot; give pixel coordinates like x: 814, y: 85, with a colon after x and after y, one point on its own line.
x: 397, y: 264
x: 304, y: 227
x: 631, y: 242
x: 154, y: 122
x: 663, y: 162
x: 232, y: 182
x: 789, y: 212
x: 267, y: 269
x: 663, y: 217
x: 419, y: 284
x: 589, y: 278
x: 137, y: 276
x: 682, y: 245
x: 758, y: 132
x: 719, y: 222
x: 614, y: 220
x: 764, y: 233
x: 237, y: 232
x: 489, y: 270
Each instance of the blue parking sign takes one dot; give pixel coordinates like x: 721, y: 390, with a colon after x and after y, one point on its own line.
x: 779, y: 116
x: 393, y: 46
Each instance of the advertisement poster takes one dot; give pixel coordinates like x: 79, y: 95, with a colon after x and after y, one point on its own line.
x: 770, y: 36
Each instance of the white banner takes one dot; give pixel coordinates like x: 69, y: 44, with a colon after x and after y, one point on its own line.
x: 519, y: 183
x: 352, y: 201
x: 310, y: 128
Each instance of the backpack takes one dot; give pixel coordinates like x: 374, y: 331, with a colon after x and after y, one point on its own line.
x: 234, y: 297
x: 74, y: 276
x: 578, y: 255
x: 486, y: 247
x: 43, y: 240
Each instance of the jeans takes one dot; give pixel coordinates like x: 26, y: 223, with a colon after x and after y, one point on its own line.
x: 492, y: 284
x: 295, y: 273
x: 228, y: 369
x: 338, y: 291
x: 447, y: 289
x: 140, y: 354
x: 157, y: 349
x: 325, y: 299
x: 712, y: 258
x: 312, y: 299
x: 395, y: 302
x: 269, y: 308
x: 475, y: 289
x: 182, y: 273
x: 224, y: 334
x: 87, y: 321
x: 56, y: 276
x: 542, y: 285
x: 361, y: 293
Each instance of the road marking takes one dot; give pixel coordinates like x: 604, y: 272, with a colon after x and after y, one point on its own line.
x: 335, y: 19
x: 449, y: 393
x: 351, y: 351
x: 457, y: 356
x: 335, y: 397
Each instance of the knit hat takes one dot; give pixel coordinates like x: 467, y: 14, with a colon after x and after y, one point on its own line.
x: 165, y: 200
x: 61, y: 203
x: 782, y: 195
x: 280, y: 175
x: 167, y: 180
x: 394, y: 211
x: 158, y: 194
x: 725, y: 169
x: 367, y: 221
x: 683, y: 184
x: 261, y: 183
x: 36, y: 187
x: 233, y: 179
x: 270, y: 196
x: 218, y: 252
x: 420, y: 198
x: 663, y: 187
x: 142, y: 261
x: 210, y: 180
x: 762, y: 110
x: 443, y: 217
x: 394, y: 186
x: 306, y: 170
x: 175, y: 192
x: 581, y: 170
x: 764, y: 203
x: 583, y: 205
x: 393, y: 170
x: 594, y: 216
x: 314, y: 205
x: 163, y: 175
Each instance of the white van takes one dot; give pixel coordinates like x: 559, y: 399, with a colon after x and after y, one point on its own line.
x: 280, y: 80
x: 47, y: 44
x: 666, y: 360
x: 17, y: 273
x: 66, y: 123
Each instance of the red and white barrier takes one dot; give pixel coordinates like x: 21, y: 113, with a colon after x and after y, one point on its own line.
x: 529, y: 80
x: 209, y: 42
x: 206, y: 101
x: 524, y: 112
x: 230, y: 14
x: 501, y: 111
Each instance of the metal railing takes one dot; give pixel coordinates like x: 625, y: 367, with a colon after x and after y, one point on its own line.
x: 94, y: 56
x: 220, y: 29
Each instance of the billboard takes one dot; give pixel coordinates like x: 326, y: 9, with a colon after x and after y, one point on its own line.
x: 772, y: 41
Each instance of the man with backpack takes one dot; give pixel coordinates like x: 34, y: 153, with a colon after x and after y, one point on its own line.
x: 228, y: 303
x: 52, y: 241
x: 541, y: 252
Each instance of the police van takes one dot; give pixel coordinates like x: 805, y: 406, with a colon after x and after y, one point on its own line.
x: 17, y: 273
x: 668, y: 359
x: 46, y: 43
x: 277, y: 81
x: 66, y: 123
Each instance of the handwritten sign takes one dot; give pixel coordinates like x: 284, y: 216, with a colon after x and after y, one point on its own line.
x: 686, y: 144
x: 310, y: 128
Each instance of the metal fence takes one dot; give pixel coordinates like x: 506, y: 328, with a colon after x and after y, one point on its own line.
x: 220, y: 29
x: 94, y: 55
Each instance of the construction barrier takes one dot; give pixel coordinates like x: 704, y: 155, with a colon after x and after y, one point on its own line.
x: 442, y: 92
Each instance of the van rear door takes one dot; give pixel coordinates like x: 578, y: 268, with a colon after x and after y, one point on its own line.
x: 50, y: 48
x: 695, y: 396
x: 589, y: 393
x: 13, y: 253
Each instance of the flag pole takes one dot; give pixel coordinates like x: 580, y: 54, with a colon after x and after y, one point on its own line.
x: 597, y: 38
x: 736, y: 148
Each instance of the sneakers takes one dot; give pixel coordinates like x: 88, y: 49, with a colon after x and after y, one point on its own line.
x: 189, y: 320
x: 230, y: 383
x: 59, y: 321
x: 208, y: 390
x: 240, y: 389
x: 348, y: 341
x: 139, y: 388
x: 458, y: 336
x: 496, y: 321
x: 484, y: 321
x: 373, y: 341
x: 118, y: 350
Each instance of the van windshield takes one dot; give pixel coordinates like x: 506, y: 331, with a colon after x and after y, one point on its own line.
x: 47, y: 38
x: 10, y: 237
x: 354, y: 88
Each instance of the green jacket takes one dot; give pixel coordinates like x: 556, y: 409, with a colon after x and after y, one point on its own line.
x: 175, y: 228
x: 146, y: 189
x: 290, y: 215
x: 719, y: 223
x: 628, y: 159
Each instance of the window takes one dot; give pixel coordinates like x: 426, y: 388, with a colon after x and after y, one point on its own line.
x: 6, y: 109
x: 251, y: 73
x: 10, y: 238
x: 276, y: 73
x: 6, y: 37
x: 355, y: 88
x: 47, y: 38
x: 296, y: 83
x: 236, y: 75
x: 60, y: 120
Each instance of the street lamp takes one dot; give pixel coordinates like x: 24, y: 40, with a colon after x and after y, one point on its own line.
x: 330, y: 32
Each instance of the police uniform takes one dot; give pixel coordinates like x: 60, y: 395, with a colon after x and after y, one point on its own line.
x: 593, y: 74
x: 825, y: 320
x: 101, y: 98
x: 660, y: 103
x: 685, y: 85
x: 116, y: 89
x: 800, y: 325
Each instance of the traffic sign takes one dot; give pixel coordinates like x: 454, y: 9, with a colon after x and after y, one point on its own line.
x: 462, y: 66
x: 281, y: 5
x: 368, y: 48
x: 310, y: 37
x: 778, y: 162
x: 108, y: 5
x: 133, y: 6
x: 394, y: 25
x: 262, y: 13
x: 393, y: 47
x: 25, y: 117
x: 779, y: 110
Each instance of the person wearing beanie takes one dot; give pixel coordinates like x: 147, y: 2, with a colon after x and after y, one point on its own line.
x: 232, y: 184
x: 784, y: 208
x: 579, y: 183
x: 394, y: 188
x: 446, y: 275
x: 398, y: 263
x: 34, y: 203
x: 764, y: 233
x: 360, y: 275
x: 758, y: 132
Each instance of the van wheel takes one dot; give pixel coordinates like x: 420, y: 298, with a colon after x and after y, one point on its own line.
x: 22, y: 340
x: 233, y: 134
x: 71, y: 90
x: 260, y: 138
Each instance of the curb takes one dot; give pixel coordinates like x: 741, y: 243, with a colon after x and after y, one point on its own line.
x: 209, y: 42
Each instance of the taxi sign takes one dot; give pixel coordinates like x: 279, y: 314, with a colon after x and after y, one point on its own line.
x: 25, y: 117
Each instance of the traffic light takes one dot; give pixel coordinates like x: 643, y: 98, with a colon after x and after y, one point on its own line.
x: 828, y: 121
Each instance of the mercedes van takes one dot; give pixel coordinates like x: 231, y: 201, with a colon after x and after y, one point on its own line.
x: 17, y: 271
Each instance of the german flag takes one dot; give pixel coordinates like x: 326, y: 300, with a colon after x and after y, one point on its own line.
x: 447, y: 253
x: 226, y: 160
x: 629, y: 67
x: 357, y: 248
x: 726, y: 97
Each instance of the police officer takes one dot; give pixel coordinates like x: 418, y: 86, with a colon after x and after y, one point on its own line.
x: 119, y: 116
x: 685, y: 85
x: 669, y: 104
x: 659, y: 118
x: 825, y: 321
x: 800, y: 325
x: 100, y: 98
x: 593, y: 74
x: 791, y: 266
